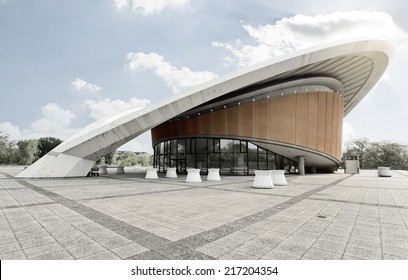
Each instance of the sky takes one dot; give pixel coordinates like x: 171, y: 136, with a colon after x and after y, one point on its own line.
x: 66, y: 63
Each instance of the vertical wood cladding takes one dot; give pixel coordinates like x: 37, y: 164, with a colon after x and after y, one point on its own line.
x: 313, y: 120
x: 289, y: 120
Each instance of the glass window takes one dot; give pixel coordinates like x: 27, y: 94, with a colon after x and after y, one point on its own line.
x: 243, y: 146
x: 210, y: 145
x: 181, y: 144
x: 240, y: 164
x: 286, y: 165
x: 237, y: 146
x: 161, y: 148
x: 231, y: 156
x: 271, y: 161
x: 226, y: 146
x: 201, y: 161
x: 201, y: 145
x: 214, y: 160
x: 251, y: 148
x: 173, y: 148
x: 190, y: 146
x: 227, y: 163
x: 279, y: 161
x: 262, y: 161
x: 216, y: 145
x: 190, y: 161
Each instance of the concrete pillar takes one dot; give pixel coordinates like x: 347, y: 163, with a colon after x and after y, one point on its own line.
x: 301, y: 165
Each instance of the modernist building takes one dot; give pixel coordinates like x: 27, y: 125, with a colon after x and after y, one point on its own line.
x: 285, y: 113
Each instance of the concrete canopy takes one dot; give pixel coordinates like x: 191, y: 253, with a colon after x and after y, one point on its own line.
x: 349, y: 68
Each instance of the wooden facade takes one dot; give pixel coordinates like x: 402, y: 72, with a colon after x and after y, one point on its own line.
x: 313, y: 120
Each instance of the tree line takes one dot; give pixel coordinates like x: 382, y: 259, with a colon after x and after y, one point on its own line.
x: 379, y: 153
x: 26, y: 152
x: 370, y: 154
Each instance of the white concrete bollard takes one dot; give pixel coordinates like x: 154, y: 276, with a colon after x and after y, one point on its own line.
x: 213, y: 174
x: 193, y: 175
x: 384, y: 171
x: 263, y: 179
x: 278, y: 177
x: 171, y: 172
x: 151, y: 173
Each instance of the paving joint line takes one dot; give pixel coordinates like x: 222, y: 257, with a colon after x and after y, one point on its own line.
x: 217, y: 233
x: 184, y: 248
x: 160, y: 245
x: 27, y: 205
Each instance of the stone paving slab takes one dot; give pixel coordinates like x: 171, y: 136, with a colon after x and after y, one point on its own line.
x: 322, y: 216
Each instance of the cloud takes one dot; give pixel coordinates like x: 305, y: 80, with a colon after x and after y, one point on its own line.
x: 175, y: 78
x: 13, y: 131
x: 300, y: 31
x: 105, y: 107
x: 80, y: 85
x: 348, y: 133
x: 55, y: 122
x: 137, y: 146
x: 149, y: 7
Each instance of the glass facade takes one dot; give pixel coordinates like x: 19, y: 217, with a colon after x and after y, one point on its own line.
x: 232, y: 156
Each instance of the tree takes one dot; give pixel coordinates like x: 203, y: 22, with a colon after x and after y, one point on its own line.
x: 7, y: 149
x: 375, y: 154
x: 356, y: 149
x: 109, y: 157
x: 46, y: 144
x: 27, y: 150
x: 387, y: 153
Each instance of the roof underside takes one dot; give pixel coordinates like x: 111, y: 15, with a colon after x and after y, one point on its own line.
x: 345, y: 75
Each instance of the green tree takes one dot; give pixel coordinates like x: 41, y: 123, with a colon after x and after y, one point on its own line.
x: 7, y: 149
x: 109, y: 157
x: 375, y: 154
x: 386, y: 153
x: 46, y: 144
x: 144, y: 159
x: 356, y: 149
x: 27, y: 150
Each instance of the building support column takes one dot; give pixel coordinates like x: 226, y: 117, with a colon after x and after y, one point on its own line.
x: 301, y: 165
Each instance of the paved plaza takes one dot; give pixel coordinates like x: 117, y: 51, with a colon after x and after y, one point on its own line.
x: 124, y: 216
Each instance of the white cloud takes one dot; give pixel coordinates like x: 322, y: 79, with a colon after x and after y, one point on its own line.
x: 105, y: 107
x: 348, y: 133
x: 136, y: 146
x: 55, y: 122
x: 79, y: 85
x: 13, y: 131
x: 300, y: 31
x: 149, y: 7
x: 175, y: 78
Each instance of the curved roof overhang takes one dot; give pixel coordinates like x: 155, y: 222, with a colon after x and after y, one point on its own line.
x: 350, y: 68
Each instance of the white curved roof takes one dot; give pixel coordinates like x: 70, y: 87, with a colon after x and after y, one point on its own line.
x: 350, y: 68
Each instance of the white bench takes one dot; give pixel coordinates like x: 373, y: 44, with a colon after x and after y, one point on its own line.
x: 104, y: 169
x: 384, y: 171
x: 263, y: 179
